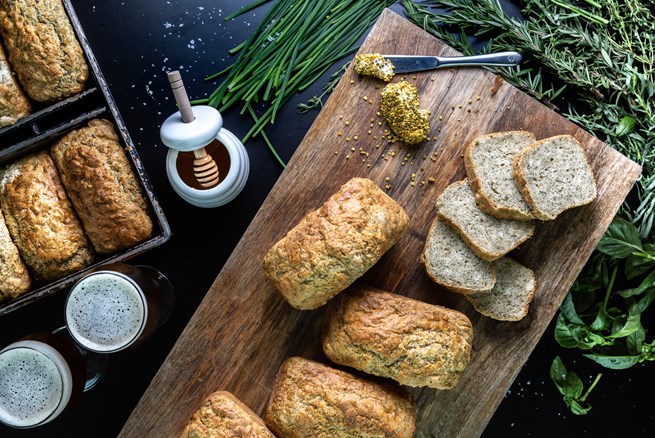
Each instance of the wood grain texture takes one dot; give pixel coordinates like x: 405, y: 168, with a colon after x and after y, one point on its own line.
x: 243, y: 330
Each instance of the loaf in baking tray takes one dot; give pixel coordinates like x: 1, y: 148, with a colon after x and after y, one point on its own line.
x: 222, y: 415
x: 510, y: 297
x: 389, y: 335
x: 449, y: 261
x: 41, y: 220
x: 488, y: 237
x: 102, y: 186
x: 310, y: 399
x: 553, y: 175
x: 42, y: 48
x: 13, y: 103
x: 488, y: 162
x: 14, y: 278
x: 333, y: 246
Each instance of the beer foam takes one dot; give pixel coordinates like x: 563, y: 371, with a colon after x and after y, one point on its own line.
x: 32, y: 387
x: 105, y: 312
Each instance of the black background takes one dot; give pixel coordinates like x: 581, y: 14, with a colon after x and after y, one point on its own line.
x: 136, y: 42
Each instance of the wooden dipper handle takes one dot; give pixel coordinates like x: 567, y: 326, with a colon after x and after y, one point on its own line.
x: 204, y: 167
x: 181, y: 98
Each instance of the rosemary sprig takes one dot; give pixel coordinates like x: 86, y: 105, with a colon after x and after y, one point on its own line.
x: 296, y: 42
x: 604, y: 61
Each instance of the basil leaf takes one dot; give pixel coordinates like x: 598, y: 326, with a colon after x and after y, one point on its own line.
x: 568, y: 383
x: 646, y: 300
x: 591, y: 340
x: 637, y: 264
x: 614, y: 362
x: 620, y: 240
x: 558, y: 373
x: 569, y: 335
x: 568, y: 309
x: 646, y: 283
x: 564, y: 334
x: 635, y: 341
x: 570, y: 386
x: 602, y: 321
x: 631, y: 324
x: 573, y: 386
x: 648, y: 351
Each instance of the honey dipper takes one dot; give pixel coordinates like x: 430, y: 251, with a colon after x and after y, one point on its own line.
x: 204, y: 167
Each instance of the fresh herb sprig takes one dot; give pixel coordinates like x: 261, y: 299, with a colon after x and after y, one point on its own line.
x: 601, y: 55
x: 295, y: 43
x: 317, y: 101
x: 601, y: 316
x: 570, y: 386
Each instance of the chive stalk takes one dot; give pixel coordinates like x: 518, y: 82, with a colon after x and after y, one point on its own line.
x: 293, y: 46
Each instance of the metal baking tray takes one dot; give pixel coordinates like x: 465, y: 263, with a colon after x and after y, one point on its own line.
x: 42, y: 128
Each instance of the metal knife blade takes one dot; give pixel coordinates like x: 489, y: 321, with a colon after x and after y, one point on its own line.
x: 411, y: 63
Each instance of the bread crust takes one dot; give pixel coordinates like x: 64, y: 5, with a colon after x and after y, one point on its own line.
x: 312, y: 399
x: 524, y: 186
x: 222, y: 415
x: 42, y: 48
x: 102, y: 187
x: 14, y: 278
x: 389, y: 335
x: 41, y: 220
x: 484, y: 200
x: 333, y: 246
x: 13, y: 103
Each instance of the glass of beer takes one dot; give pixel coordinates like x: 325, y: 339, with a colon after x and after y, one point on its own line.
x: 117, y: 306
x: 41, y: 376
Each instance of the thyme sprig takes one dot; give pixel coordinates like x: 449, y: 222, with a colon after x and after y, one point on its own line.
x: 328, y: 88
x: 603, y: 60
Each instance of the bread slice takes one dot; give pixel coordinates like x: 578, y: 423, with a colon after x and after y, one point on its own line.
x: 553, y: 175
x: 452, y: 264
x: 510, y: 298
x: 487, y: 236
x: 488, y: 161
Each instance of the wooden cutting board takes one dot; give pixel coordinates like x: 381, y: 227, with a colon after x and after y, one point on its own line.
x: 243, y: 329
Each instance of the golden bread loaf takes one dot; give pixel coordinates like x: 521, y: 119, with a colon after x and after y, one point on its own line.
x: 222, y: 415
x: 14, y: 278
x: 103, y: 187
x: 42, y: 48
x: 333, y: 246
x: 41, y: 220
x: 13, y: 103
x: 389, y: 335
x: 312, y: 399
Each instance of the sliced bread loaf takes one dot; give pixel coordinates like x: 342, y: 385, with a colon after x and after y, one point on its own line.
x: 553, y: 175
x: 451, y: 263
x: 488, y: 161
x: 511, y: 295
x: 487, y: 236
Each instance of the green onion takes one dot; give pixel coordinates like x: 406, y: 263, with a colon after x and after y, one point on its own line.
x: 293, y: 46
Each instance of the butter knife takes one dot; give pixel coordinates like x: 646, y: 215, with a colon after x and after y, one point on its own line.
x: 411, y: 63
